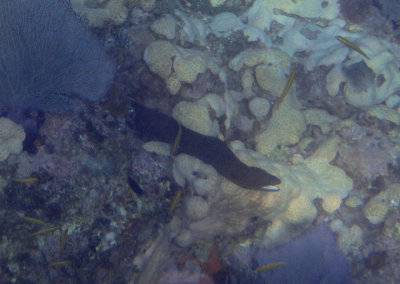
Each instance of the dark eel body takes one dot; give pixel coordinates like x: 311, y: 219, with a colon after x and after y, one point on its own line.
x: 154, y: 125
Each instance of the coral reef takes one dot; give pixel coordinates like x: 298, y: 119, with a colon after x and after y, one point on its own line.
x: 129, y: 189
x: 292, y: 206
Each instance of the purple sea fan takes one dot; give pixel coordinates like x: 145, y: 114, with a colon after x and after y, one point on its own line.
x: 46, y: 55
x: 313, y: 257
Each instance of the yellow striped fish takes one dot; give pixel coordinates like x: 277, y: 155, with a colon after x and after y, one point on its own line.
x: 288, y: 85
x: 51, y: 229
x: 269, y: 266
x: 33, y: 220
x: 60, y: 263
x: 175, y: 201
x: 25, y: 180
x: 351, y: 45
x: 176, y: 141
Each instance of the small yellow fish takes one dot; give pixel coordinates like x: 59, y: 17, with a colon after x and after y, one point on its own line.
x: 25, y: 180
x: 60, y: 263
x: 175, y: 201
x: 51, y: 229
x: 177, y: 140
x: 63, y: 240
x: 351, y: 45
x: 134, y: 2
x: 269, y: 266
x: 33, y: 220
x: 288, y: 85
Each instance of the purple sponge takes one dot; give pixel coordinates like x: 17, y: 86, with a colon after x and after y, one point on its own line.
x: 46, y: 55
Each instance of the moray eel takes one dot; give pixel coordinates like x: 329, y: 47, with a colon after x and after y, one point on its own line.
x: 154, y: 125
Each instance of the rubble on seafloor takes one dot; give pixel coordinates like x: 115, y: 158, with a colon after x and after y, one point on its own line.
x: 118, y: 210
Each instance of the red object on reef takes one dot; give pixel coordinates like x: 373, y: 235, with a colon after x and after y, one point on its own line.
x: 211, y: 267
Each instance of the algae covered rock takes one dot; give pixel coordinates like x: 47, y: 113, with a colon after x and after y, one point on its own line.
x: 379, y: 205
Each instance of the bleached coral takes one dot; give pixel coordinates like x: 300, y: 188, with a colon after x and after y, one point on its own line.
x: 202, y: 178
x: 311, y: 28
x: 11, y: 137
x: 270, y: 64
x: 216, y: 3
x: 177, y: 65
x: 231, y: 207
x: 384, y: 112
x: 368, y: 82
x: 165, y: 26
x: 285, y: 126
x: 379, y: 205
x: 98, y: 12
x: 195, y: 117
x: 196, y: 208
x: 348, y: 238
x: 259, y: 107
x: 320, y: 118
x: 301, y: 185
x: 262, y: 13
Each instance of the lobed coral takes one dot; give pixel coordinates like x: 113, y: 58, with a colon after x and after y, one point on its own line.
x: 177, y: 65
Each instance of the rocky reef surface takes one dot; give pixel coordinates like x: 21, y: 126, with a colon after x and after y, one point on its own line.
x: 94, y: 203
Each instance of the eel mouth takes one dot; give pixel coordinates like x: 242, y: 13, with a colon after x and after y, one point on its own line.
x: 271, y: 187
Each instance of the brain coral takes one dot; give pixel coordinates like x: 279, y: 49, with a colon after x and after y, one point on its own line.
x: 47, y: 53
